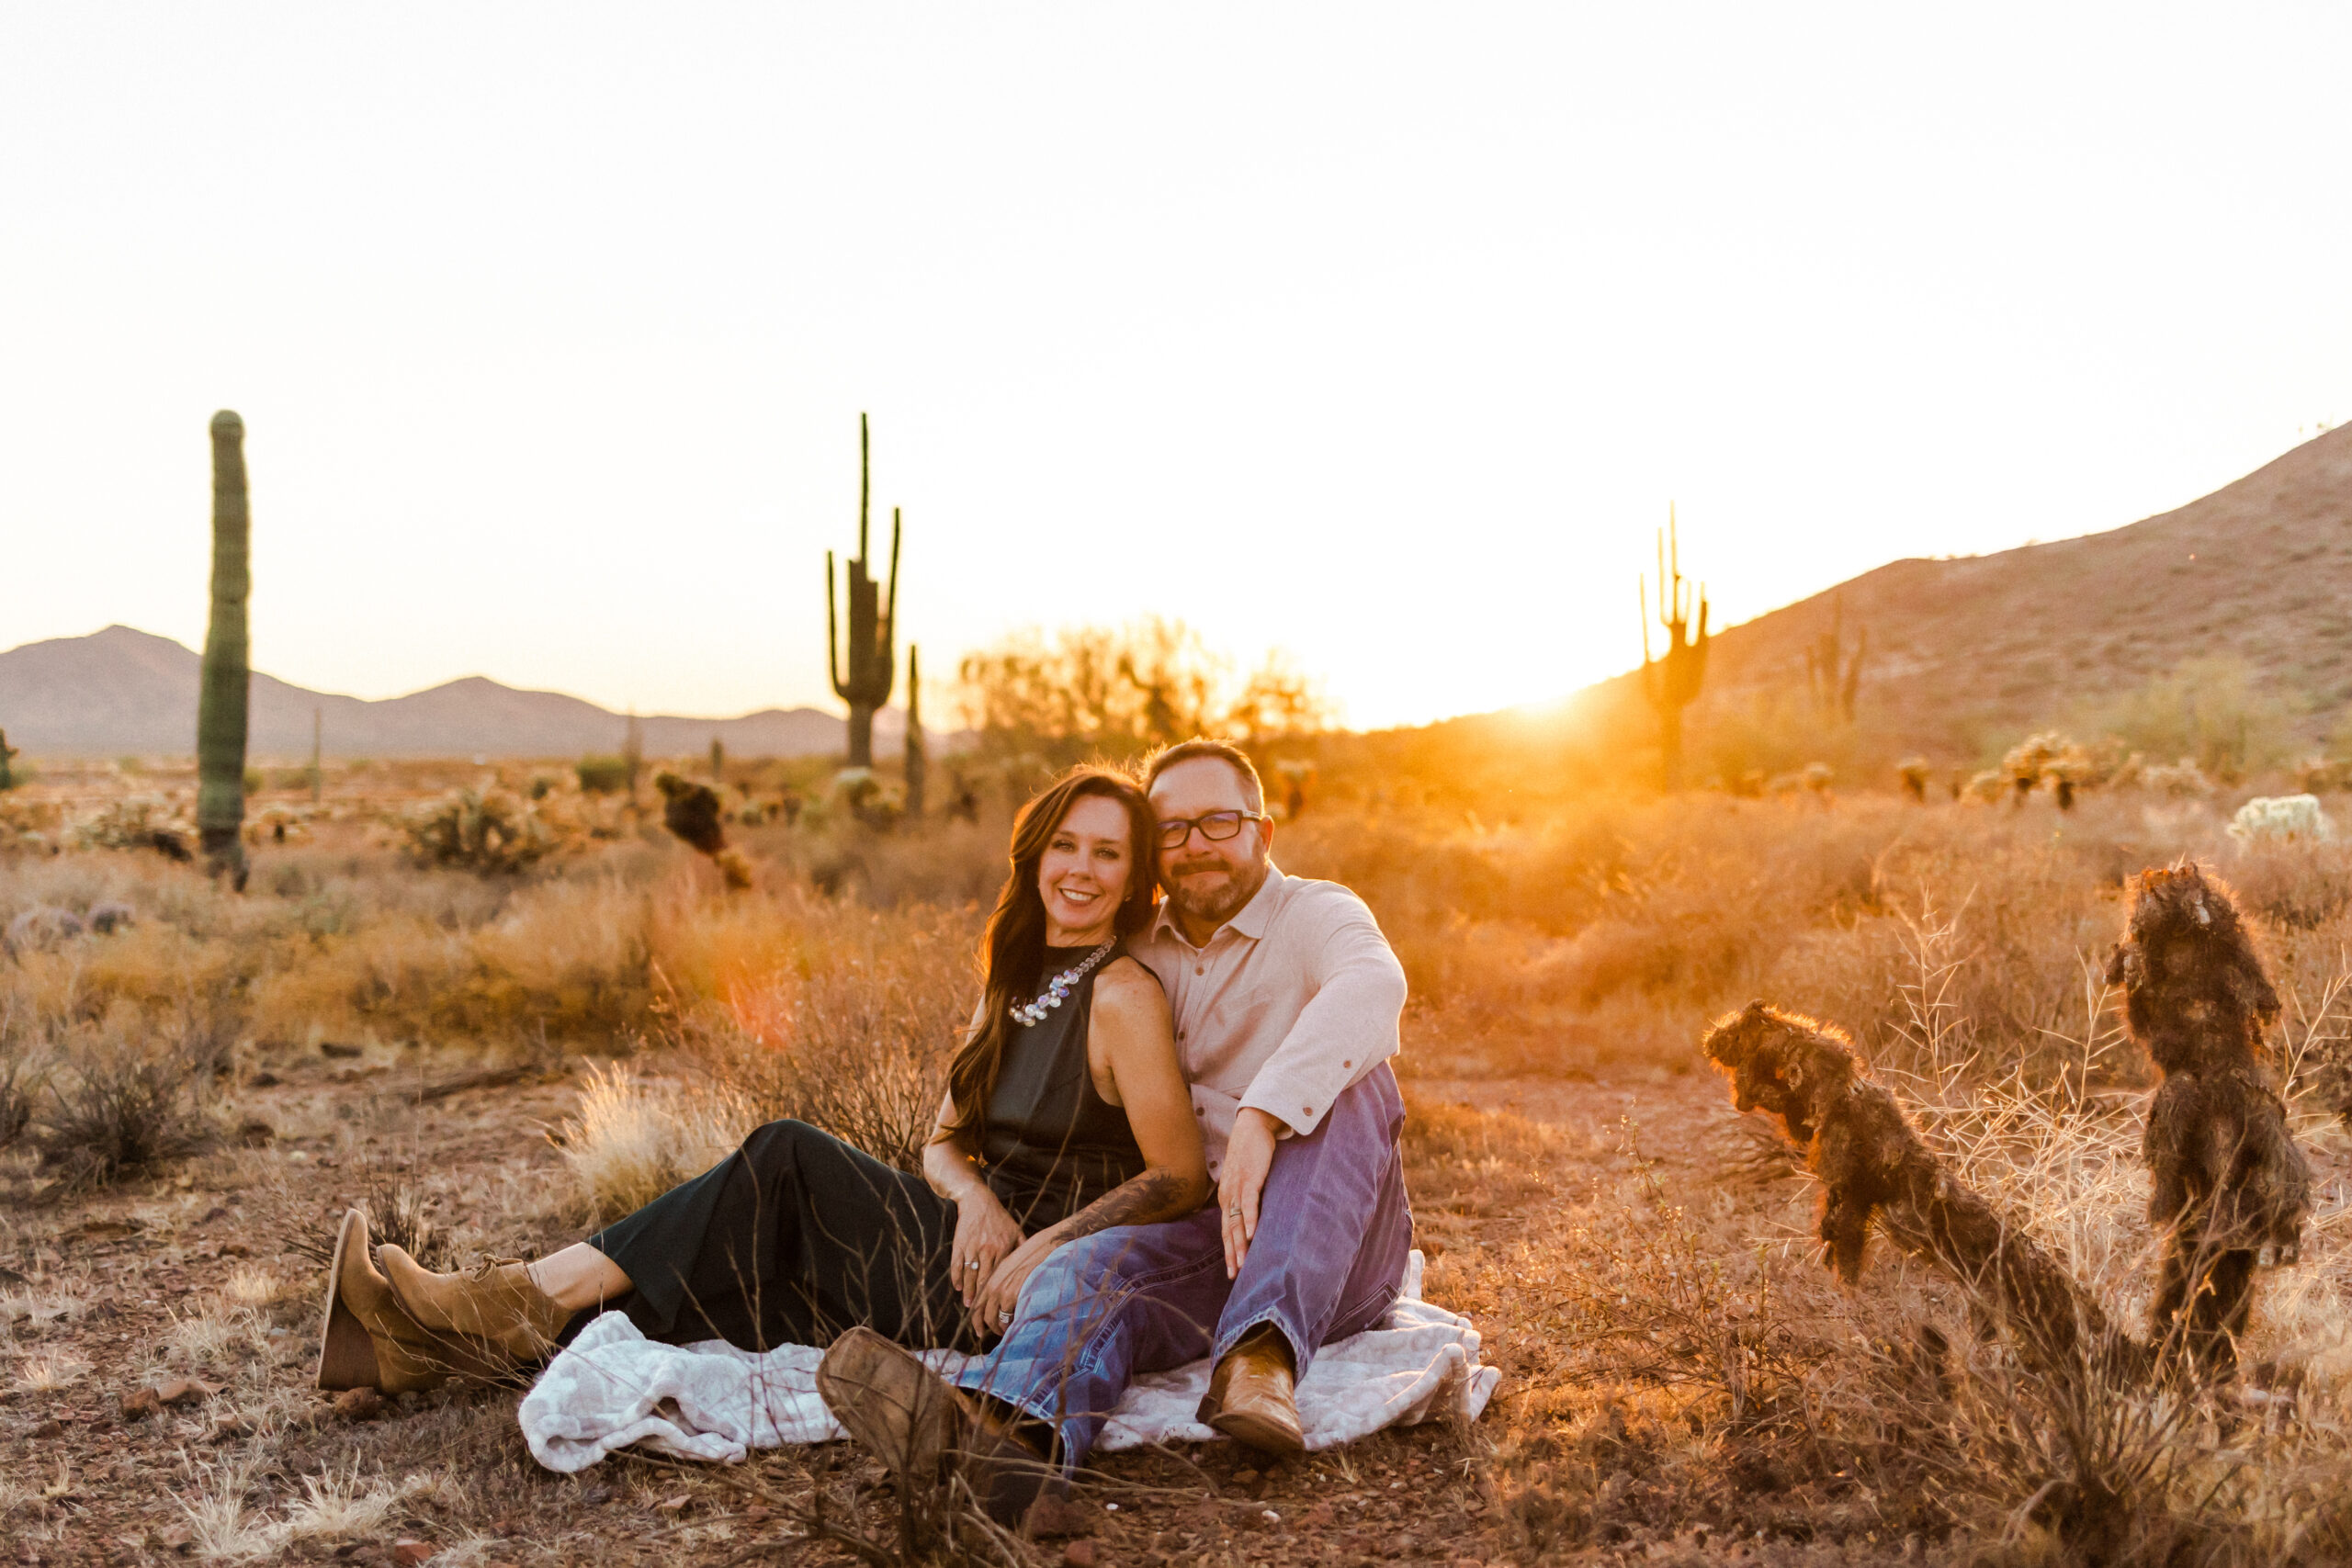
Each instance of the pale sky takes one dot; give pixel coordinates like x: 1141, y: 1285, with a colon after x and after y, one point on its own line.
x: 1385, y: 334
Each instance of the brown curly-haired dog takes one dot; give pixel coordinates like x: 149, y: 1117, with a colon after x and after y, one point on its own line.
x: 1871, y: 1163
x: 2231, y: 1187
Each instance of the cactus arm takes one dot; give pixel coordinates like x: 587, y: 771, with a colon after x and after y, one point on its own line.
x: 833, y: 665
x: 890, y: 609
x: 865, y: 486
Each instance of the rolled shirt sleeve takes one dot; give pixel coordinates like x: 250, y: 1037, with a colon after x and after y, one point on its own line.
x: 1349, y: 1024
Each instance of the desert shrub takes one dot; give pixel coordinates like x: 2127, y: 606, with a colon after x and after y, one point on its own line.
x: 2212, y: 711
x: 603, y: 775
x: 119, y: 1114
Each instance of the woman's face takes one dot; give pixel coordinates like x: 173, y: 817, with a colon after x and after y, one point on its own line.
x: 1084, y: 872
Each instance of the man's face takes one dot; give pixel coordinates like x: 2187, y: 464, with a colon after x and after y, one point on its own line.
x: 1209, y: 881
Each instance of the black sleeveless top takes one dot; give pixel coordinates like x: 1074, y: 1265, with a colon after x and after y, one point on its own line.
x: 1052, y: 1144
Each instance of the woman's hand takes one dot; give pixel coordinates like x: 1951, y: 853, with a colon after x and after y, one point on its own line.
x: 1000, y: 1297
x: 985, y: 1236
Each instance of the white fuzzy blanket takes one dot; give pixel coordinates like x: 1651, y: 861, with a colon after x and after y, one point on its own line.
x: 612, y: 1387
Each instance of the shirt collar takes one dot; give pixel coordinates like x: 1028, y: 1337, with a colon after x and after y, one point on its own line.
x: 1249, y: 921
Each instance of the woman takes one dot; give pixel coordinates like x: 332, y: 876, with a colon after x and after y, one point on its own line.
x: 1065, y: 1113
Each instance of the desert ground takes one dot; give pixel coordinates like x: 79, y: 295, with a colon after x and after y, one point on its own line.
x: 494, y: 1059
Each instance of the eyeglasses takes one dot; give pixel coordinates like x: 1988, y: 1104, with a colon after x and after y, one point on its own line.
x: 1217, y: 827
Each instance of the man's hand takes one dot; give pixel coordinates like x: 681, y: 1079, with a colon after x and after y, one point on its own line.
x: 1248, y: 1156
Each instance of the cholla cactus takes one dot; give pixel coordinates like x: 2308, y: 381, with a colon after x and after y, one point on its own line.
x: 280, y: 824
x: 1988, y: 787
x: 2284, y: 819
x: 7, y: 754
x: 137, y: 822
x: 1914, y: 772
x: 2231, y: 1189
x: 692, y: 812
x: 1873, y: 1167
x: 2048, y: 756
x: 493, y: 831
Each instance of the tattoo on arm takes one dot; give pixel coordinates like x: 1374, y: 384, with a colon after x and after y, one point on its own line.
x: 1146, y: 1197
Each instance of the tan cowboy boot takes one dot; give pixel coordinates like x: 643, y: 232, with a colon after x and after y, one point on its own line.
x: 497, y: 1301
x: 369, y: 1341
x: 1252, y: 1395
x: 925, y: 1430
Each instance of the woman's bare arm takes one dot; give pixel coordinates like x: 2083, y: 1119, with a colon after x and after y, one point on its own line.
x: 1133, y: 1039
x: 1135, y: 1042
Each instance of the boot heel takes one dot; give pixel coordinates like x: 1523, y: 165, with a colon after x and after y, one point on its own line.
x: 346, y: 1353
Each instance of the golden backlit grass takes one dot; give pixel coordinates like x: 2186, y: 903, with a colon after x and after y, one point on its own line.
x: 1678, y: 1360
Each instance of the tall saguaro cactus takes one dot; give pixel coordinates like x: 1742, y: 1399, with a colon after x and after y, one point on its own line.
x: 1834, y: 675
x: 220, y: 701
x: 1672, y: 683
x: 871, y: 623
x: 918, y: 765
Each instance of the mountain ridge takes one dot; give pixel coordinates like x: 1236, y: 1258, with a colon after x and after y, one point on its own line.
x: 121, y: 692
x: 1970, y: 651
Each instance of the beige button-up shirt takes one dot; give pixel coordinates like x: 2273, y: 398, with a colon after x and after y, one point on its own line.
x: 1291, y: 1001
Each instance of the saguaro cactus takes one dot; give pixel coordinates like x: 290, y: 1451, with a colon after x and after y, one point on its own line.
x: 1835, y: 676
x: 918, y: 765
x: 1672, y: 683
x: 220, y: 701
x: 872, y: 621
x: 8, y: 755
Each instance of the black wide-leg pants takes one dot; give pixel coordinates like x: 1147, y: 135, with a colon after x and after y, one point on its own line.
x: 789, y: 1240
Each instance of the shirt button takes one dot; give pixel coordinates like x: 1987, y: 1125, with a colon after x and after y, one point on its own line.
x: 1200, y: 1110
x: 1307, y: 1110
x: 1342, y: 1064
x: 1197, y: 969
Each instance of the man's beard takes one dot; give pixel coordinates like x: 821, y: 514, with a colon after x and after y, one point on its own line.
x: 1218, y: 902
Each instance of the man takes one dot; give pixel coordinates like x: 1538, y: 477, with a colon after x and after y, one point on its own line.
x: 1286, y: 999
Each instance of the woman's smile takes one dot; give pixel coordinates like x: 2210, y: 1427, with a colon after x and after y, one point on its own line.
x: 1083, y: 872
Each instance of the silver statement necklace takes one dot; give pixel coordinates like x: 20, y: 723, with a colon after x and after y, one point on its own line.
x: 1029, y: 1012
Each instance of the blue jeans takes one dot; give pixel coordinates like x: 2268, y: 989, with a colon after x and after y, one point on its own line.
x: 1333, y: 1231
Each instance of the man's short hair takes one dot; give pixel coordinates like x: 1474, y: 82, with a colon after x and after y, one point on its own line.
x: 1225, y: 752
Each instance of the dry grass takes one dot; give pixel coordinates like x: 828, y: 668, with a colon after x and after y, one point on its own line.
x: 1678, y: 1358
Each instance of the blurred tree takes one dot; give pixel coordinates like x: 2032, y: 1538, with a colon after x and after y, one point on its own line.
x: 1117, y: 691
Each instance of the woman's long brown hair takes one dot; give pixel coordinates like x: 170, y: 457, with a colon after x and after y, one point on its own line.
x: 1012, y: 953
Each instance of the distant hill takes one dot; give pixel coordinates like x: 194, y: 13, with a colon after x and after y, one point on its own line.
x: 1968, y: 651
x: 126, y: 693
